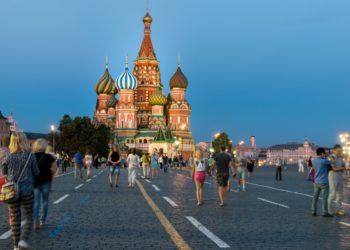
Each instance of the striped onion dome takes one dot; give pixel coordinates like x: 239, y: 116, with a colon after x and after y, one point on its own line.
x: 106, y: 84
x: 112, y: 102
x: 126, y: 80
x: 157, y: 98
x: 178, y: 80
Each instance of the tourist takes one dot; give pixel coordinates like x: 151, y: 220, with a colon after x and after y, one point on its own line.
x: 42, y: 182
x: 160, y: 161
x: 311, y: 172
x: 65, y: 162
x: 336, y: 182
x: 165, y: 163
x: 222, y: 163
x: 78, y: 164
x: 250, y: 166
x: 133, y: 162
x: 301, y: 166
x: 321, y: 165
x: 97, y: 161
x: 198, y: 174
x: 145, y: 165
x: 241, y: 170
x: 181, y: 161
x: 176, y: 161
x: 21, y: 165
x: 88, y: 160
x: 279, y: 163
x: 210, y: 163
x: 114, y: 162
x: 154, y: 164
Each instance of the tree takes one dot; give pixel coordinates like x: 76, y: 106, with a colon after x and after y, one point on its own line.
x: 222, y: 140
x: 81, y: 134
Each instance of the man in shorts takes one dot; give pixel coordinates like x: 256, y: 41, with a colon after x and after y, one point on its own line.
x: 222, y: 163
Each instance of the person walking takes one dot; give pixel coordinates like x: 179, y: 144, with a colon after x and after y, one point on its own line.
x: 301, y: 166
x: 65, y: 162
x: 42, y: 182
x: 160, y: 161
x: 222, y: 163
x: 133, y: 162
x: 165, y: 163
x: 279, y: 163
x: 241, y: 170
x: 114, y: 161
x: 336, y: 182
x: 154, y: 164
x: 321, y: 165
x: 88, y: 160
x: 145, y: 165
x: 78, y: 164
x: 250, y: 166
x: 198, y: 174
x: 21, y: 167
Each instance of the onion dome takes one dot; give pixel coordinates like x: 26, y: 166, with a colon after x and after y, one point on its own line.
x: 178, y: 80
x: 106, y: 84
x: 127, y: 80
x: 157, y: 98
x: 112, y: 102
x: 147, y: 18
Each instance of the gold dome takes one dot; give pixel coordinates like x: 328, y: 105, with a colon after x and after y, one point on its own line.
x: 147, y: 18
x: 157, y: 98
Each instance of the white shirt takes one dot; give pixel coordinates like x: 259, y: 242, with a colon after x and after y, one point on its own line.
x: 199, y: 165
x: 133, y: 161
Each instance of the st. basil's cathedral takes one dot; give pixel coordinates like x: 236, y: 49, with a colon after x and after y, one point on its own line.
x: 143, y: 117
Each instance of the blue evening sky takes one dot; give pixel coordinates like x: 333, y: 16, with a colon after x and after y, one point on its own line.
x: 277, y: 69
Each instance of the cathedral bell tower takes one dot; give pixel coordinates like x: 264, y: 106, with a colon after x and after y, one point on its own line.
x: 146, y: 71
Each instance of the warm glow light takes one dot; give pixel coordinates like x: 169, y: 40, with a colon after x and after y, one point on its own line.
x: 211, y: 150
x: 241, y: 143
x: 52, y: 127
x: 217, y: 135
x: 183, y: 126
x: 177, y: 143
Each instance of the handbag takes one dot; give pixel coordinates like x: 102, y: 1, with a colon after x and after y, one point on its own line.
x: 10, y: 190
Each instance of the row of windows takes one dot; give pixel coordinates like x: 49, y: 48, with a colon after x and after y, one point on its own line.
x: 140, y: 141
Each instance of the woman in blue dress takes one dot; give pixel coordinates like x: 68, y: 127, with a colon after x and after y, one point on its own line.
x: 154, y: 164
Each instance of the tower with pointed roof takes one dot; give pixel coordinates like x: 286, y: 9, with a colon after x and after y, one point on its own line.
x: 146, y: 70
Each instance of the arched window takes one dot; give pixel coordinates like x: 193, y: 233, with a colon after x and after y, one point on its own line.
x: 127, y: 141
x: 145, y: 141
x: 140, y: 141
x: 132, y: 141
x: 140, y: 98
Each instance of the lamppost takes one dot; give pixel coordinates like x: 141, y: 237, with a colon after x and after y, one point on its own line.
x: 53, y: 131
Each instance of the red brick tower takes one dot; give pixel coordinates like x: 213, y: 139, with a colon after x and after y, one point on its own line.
x: 147, y: 73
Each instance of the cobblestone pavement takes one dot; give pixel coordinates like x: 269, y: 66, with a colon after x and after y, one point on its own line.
x: 269, y: 215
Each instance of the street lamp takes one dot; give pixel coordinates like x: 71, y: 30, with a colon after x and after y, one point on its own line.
x: 53, y: 131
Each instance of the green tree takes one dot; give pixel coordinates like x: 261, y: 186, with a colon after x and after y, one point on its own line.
x: 81, y: 134
x: 222, y: 140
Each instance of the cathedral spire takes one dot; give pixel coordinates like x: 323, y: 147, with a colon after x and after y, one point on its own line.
x: 146, y: 50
